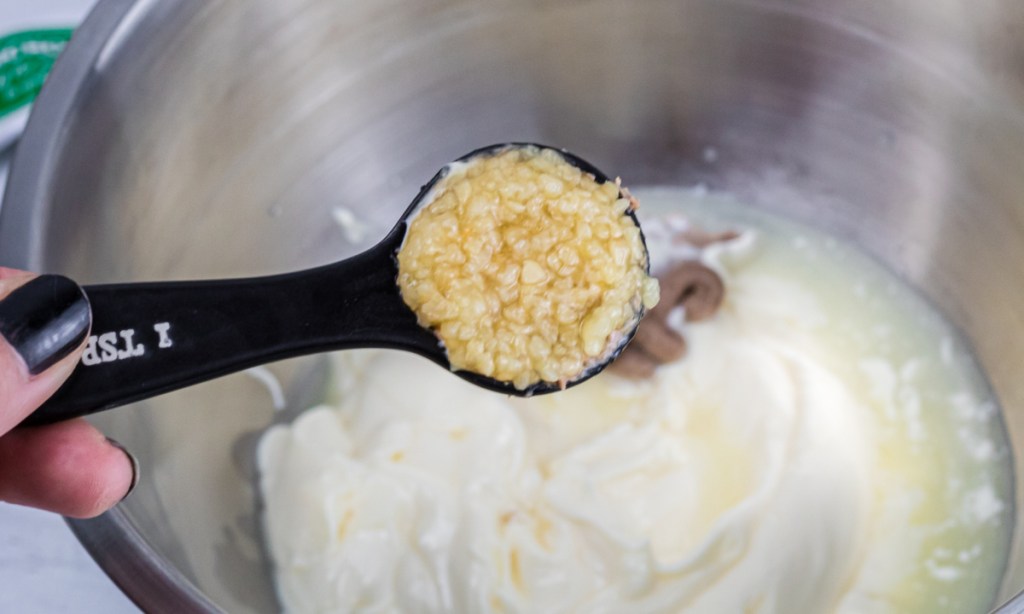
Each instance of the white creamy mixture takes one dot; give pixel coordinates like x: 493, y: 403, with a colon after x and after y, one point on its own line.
x: 827, y: 445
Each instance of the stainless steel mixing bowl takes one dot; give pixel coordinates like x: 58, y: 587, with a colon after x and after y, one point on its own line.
x: 203, y: 138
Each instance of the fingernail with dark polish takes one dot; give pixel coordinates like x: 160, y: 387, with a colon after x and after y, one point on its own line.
x: 135, y: 466
x: 45, y: 320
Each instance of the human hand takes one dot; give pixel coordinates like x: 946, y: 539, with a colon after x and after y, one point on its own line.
x: 69, y: 468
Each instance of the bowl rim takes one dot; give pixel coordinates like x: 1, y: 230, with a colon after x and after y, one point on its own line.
x: 143, y: 575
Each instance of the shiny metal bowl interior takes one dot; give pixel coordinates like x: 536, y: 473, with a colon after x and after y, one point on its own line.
x: 204, y: 138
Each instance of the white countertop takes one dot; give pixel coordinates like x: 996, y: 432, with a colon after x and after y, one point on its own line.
x: 43, y: 568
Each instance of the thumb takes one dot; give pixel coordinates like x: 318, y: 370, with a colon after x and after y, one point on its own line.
x: 44, y: 321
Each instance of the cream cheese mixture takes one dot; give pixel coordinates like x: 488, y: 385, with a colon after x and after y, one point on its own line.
x: 826, y: 445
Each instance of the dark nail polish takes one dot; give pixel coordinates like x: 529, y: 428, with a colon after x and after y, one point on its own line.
x: 135, y: 466
x: 45, y: 320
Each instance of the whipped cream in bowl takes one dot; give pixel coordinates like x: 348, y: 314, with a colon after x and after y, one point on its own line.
x: 825, y: 445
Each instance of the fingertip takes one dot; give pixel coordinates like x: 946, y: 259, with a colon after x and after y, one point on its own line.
x: 69, y: 468
x: 133, y: 463
x: 45, y: 320
x: 44, y: 327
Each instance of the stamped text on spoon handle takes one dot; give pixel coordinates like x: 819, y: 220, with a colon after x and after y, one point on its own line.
x: 114, y: 346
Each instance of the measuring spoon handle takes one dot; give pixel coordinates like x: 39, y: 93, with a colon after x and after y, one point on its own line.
x: 152, y: 338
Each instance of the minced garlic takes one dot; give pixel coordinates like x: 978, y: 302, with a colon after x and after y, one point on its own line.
x: 526, y: 267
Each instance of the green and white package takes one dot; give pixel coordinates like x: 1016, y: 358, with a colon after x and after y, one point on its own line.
x: 26, y: 57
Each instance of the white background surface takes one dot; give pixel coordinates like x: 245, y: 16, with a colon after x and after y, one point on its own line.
x: 43, y: 568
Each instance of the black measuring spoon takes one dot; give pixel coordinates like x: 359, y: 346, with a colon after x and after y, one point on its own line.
x: 152, y: 338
